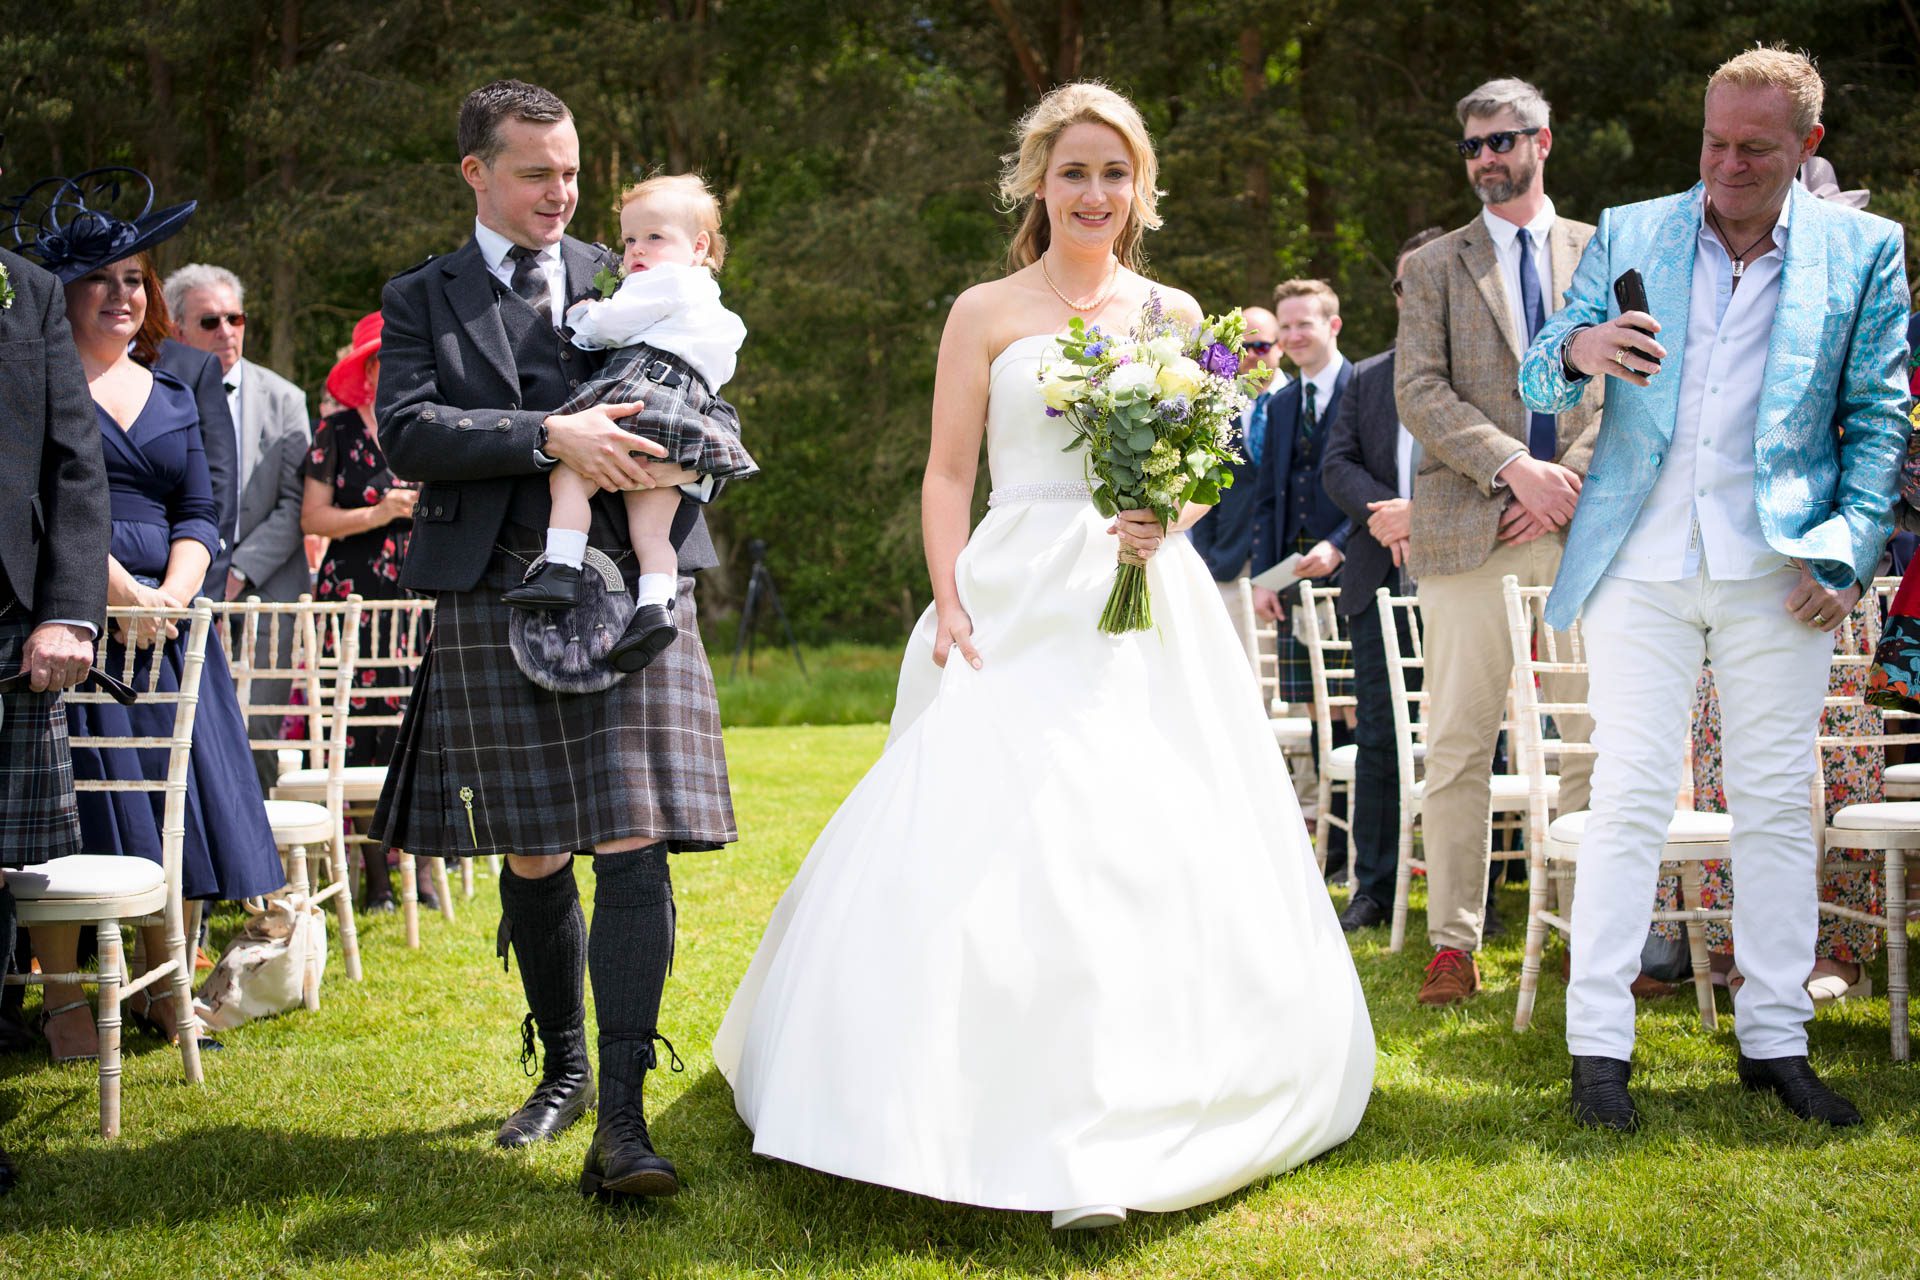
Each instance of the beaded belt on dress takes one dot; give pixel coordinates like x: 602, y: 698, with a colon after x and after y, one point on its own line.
x: 1054, y: 491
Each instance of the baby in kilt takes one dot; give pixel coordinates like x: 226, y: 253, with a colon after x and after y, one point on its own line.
x: 676, y: 347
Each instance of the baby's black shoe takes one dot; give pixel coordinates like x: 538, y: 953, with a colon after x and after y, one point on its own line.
x: 651, y: 631
x: 551, y: 586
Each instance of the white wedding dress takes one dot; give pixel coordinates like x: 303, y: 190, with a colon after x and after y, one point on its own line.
x: 1065, y: 944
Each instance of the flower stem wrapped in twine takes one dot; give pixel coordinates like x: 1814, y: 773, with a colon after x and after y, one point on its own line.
x: 1129, y: 608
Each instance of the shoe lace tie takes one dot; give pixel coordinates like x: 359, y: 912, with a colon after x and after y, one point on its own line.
x: 1447, y: 960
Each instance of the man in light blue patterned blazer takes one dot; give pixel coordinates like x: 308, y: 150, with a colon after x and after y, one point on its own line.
x: 1738, y: 499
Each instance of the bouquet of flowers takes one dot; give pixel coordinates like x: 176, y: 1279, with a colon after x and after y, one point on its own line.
x: 1156, y: 413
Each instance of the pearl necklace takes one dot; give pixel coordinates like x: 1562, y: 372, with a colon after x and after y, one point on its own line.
x: 1100, y: 295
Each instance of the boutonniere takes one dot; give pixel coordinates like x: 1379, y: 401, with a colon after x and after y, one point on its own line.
x: 605, y: 281
x: 6, y: 289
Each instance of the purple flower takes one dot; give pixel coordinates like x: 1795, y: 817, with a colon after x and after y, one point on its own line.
x: 1175, y: 409
x: 1220, y: 361
x: 1054, y: 413
x: 1096, y: 350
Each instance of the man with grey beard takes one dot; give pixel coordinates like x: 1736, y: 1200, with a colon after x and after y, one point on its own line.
x: 1497, y: 487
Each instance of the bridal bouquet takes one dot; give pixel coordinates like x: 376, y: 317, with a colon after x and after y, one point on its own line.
x: 1156, y: 412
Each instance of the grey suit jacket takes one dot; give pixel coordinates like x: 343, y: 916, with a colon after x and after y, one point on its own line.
x: 1457, y: 379
x: 271, y: 551
x: 54, y: 527
x: 1362, y: 466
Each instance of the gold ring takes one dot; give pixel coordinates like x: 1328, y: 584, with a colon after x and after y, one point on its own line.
x: 1620, y: 356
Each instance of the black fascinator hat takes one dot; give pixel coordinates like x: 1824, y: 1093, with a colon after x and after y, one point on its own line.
x: 75, y: 225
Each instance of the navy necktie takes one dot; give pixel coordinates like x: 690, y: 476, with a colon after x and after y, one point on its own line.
x: 1257, y: 428
x: 1542, y: 434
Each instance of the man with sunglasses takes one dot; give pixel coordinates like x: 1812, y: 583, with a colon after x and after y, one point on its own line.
x: 271, y: 437
x: 53, y: 493
x: 1224, y: 537
x: 1504, y: 488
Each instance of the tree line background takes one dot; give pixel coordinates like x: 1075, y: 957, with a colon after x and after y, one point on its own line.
x: 856, y: 148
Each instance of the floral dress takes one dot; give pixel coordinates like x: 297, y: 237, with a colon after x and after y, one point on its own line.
x: 346, y: 457
x: 1852, y: 776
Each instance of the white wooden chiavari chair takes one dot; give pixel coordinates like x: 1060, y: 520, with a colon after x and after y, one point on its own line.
x: 112, y: 891
x: 1554, y: 842
x: 1330, y: 660
x: 1406, y: 653
x: 1291, y: 731
x: 1890, y: 828
x: 392, y: 639
x: 275, y: 648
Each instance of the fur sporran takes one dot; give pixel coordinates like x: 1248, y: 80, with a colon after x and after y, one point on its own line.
x: 565, y: 650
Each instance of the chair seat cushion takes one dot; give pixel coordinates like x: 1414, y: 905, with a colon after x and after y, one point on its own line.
x: 1509, y: 790
x: 1292, y: 731
x: 1896, y: 815
x: 1685, y: 827
x: 1902, y: 775
x: 359, y: 779
x: 298, y: 820
x: 86, y: 875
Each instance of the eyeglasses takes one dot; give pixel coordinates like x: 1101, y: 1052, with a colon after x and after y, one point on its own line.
x: 1498, y: 143
x: 1258, y: 348
x: 235, y: 319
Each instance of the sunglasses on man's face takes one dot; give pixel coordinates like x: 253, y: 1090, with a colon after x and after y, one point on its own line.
x: 1499, y: 143
x: 1258, y: 348
x: 234, y: 319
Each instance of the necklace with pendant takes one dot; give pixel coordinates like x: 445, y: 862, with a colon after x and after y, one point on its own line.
x: 1740, y: 258
x: 1100, y: 296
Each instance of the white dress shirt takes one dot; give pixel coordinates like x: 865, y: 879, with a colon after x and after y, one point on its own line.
x: 1506, y: 251
x: 493, y: 250
x: 1323, y: 384
x: 1703, y: 501
x: 1406, y: 459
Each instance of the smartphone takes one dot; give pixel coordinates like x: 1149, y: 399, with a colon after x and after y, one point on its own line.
x: 1630, y: 291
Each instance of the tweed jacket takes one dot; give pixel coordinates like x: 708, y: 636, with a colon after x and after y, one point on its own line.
x: 54, y: 526
x: 1361, y: 466
x: 270, y: 551
x: 1831, y: 429
x: 1456, y: 362
x: 450, y: 414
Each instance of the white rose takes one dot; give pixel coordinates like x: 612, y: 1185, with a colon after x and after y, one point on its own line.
x: 1060, y: 393
x: 1182, y: 377
x: 1132, y: 382
x: 1165, y: 349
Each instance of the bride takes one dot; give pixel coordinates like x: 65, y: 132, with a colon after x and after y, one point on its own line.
x: 1065, y: 947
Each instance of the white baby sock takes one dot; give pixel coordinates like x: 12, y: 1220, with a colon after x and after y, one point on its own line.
x: 564, y: 546
x: 654, y: 588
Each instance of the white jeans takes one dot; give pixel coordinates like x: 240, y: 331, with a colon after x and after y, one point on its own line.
x: 1645, y: 641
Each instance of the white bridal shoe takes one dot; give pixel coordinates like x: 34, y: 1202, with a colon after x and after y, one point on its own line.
x: 1088, y: 1217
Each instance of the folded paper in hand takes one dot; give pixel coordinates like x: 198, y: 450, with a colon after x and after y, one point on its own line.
x: 1282, y: 575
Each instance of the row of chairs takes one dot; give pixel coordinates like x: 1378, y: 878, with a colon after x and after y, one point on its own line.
x: 1528, y: 797
x: 318, y: 809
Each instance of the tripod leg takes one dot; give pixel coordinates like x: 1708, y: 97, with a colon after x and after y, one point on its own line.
x: 747, y: 610
x: 773, y: 598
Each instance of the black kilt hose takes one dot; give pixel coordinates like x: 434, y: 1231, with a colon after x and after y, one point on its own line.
x: 488, y: 762
x: 699, y: 430
x: 39, y: 818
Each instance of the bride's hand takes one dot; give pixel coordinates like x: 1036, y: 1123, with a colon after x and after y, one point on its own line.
x: 1140, y: 531
x: 954, y: 629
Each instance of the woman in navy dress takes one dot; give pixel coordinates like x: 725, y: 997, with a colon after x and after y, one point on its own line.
x: 165, y: 528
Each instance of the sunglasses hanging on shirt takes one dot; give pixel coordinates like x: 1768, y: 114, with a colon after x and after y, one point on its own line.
x: 1499, y: 143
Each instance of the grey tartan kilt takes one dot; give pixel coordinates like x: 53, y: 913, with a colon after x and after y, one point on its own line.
x: 488, y: 762
x: 698, y: 429
x: 38, y: 816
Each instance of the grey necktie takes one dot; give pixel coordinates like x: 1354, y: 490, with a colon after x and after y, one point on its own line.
x: 530, y: 280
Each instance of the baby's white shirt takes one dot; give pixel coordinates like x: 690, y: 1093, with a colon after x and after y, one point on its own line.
x: 674, y: 308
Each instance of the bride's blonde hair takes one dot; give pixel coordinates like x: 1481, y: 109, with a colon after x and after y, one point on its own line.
x: 1023, y: 171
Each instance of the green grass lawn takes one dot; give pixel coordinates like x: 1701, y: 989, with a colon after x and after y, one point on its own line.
x: 356, y: 1141
x: 842, y: 684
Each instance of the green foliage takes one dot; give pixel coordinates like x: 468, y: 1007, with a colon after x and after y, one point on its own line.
x: 856, y: 147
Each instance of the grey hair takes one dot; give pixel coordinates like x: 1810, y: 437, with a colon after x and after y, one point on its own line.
x: 1491, y: 98
x: 200, y: 275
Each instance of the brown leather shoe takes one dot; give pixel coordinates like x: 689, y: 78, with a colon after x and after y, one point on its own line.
x: 1452, y: 976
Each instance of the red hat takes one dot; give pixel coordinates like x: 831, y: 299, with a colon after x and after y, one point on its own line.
x: 347, y: 383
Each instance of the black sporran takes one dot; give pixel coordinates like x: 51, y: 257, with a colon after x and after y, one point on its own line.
x: 565, y: 650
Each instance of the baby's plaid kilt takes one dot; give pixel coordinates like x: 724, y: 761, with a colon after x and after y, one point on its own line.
x: 488, y: 762
x: 38, y: 816
x: 698, y: 429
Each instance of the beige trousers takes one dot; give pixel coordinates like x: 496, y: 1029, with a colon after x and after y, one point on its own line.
x: 1469, y: 666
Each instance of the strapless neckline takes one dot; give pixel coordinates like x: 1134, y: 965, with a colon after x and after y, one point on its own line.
x: 1008, y: 349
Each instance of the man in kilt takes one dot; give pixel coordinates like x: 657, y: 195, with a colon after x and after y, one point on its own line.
x: 53, y: 494
x: 472, y: 371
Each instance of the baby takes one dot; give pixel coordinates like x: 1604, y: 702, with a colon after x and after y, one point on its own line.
x: 676, y: 348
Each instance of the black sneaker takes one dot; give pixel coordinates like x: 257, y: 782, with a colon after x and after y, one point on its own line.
x: 551, y: 586
x: 650, y: 632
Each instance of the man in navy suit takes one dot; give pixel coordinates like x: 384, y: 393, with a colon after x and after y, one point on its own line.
x: 1292, y: 513
x: 1370, y: 463
x: 1225, y: 538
